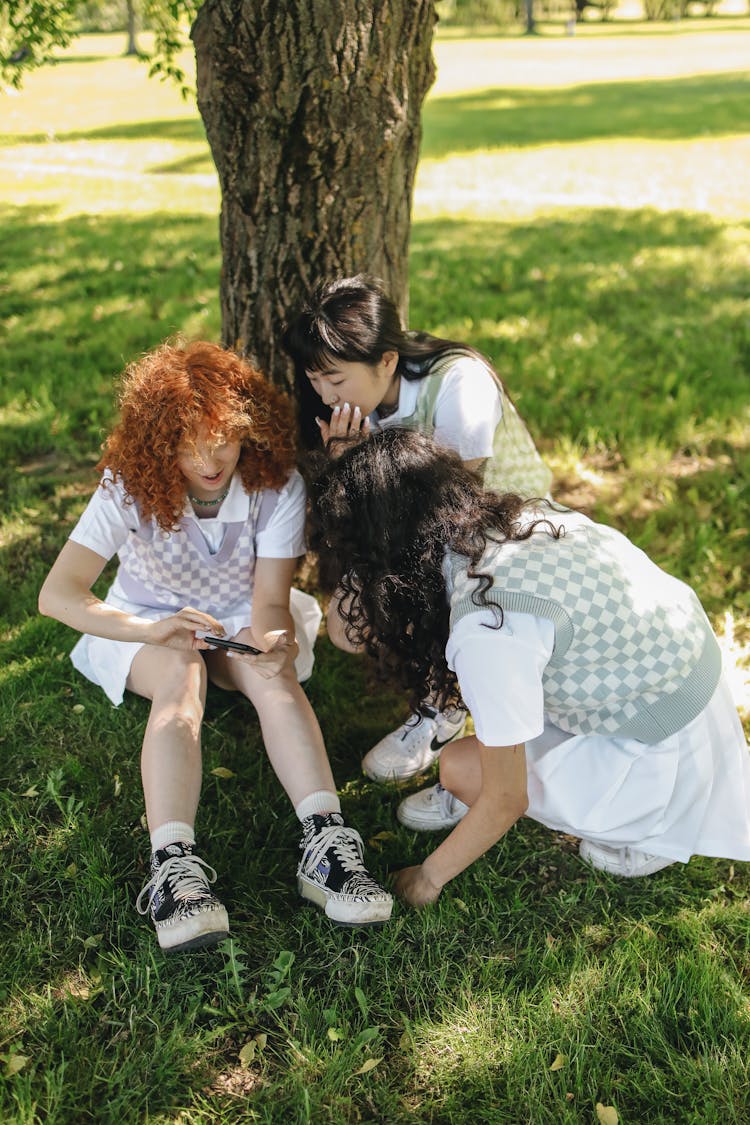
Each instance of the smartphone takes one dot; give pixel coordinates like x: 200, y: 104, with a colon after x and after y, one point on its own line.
x: 235, y: 646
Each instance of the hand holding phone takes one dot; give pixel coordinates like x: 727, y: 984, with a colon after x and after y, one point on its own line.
x: 233, y: 646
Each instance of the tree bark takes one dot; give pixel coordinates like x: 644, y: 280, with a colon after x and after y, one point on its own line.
x: 132, y: 48
x: 312, y: 111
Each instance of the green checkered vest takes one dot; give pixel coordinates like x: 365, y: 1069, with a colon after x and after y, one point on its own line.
x: 634, y: 653
x: 515, y: 465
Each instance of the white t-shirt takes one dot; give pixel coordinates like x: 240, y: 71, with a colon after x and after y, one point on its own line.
x: 467, y: 413
x: 108, y: 520
x: 500, y: 673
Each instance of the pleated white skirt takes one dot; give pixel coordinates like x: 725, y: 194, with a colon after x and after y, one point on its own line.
x: 688, y: 795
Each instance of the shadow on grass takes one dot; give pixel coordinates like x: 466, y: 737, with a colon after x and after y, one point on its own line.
x: 631, y: 978
x: 169, y: 129
x: 668, y: 109
x: 622, y: 331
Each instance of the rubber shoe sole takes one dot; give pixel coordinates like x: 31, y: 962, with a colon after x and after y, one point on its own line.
x: 626, y: 863
x: 343, y: 910
x: 205, y: 928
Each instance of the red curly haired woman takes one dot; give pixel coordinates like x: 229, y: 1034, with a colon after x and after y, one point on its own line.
x: 201, y: 502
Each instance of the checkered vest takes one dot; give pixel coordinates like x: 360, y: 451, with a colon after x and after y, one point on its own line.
x: 175, y: 569
x: 634, y: 654
x: 515, y: 465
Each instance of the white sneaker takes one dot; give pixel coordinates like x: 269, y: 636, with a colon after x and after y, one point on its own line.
x: 627, y: 862
x: 413, y: 747
x: 431, y: 810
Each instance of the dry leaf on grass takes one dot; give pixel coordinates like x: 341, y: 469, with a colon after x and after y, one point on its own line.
x: 222, y: 771
x: 606, y: 1114
x: 367, y: 1065
x: 559, y: 1062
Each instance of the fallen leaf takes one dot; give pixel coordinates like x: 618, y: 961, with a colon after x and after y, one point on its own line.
x: 32, y: 792
x: 15, y: 1063
x: 71, y: 870
x: 367, y: 1065
x: 222, y: 771
x: 117, y: 785
x: 461, y: 905
x: 334, y: 1034
x: 261, y: 1039
x: 77, y: 708
x: 559, y: 1062
x: 247, y: 1053
x: 606, y: 1114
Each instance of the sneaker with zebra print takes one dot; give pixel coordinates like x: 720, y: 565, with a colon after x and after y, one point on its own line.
x: 332, y: 874
x: 186, y: 915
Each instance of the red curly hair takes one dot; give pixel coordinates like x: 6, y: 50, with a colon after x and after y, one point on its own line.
x: 175, y: 391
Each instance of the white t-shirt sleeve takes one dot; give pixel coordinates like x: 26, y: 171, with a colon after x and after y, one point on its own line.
x: 468, y: 410
x: 107, y: 520
x: 283, y: 537
x: 500, y: 673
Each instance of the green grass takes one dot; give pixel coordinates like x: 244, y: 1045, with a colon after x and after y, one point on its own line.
x: 593, y: 237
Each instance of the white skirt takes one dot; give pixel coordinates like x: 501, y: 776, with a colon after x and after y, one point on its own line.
x: 107, y: 663
x: 688, y: 795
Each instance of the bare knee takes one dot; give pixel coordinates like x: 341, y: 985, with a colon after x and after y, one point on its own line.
x: 173, y: 680
x: 336, y: 626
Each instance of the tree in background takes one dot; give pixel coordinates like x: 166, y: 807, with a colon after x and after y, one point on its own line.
x: 312, y: 111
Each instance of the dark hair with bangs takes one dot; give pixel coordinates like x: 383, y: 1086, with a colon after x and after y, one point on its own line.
x: 353, y: 319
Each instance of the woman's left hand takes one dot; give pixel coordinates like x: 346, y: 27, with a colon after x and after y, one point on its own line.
x: 412, y: 885
x: 280, y: 653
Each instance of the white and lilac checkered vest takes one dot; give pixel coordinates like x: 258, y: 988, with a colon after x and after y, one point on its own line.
x: 634, y: 653
x: 170, y: 570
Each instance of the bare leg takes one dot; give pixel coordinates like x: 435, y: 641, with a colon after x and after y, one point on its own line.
x: 461, y: 769
x: 175, y: 682
x: 291, y: 734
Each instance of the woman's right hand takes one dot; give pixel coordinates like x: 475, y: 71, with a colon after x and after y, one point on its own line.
x: 346, y: 426
x: 178, y: 630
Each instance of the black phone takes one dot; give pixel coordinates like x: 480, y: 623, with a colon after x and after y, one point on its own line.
x: 234, y: 646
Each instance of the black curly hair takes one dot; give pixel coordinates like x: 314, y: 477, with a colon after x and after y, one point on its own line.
x: 382, y: 515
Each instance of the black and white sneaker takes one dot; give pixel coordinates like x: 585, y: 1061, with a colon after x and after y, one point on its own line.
x: 332, y: 874
x: 185, y: 913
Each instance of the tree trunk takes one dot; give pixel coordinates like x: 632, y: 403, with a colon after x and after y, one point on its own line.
x: 132, y: 48
x: 312, y: 111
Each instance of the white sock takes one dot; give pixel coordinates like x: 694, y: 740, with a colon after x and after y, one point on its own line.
x: 171, y: 832
x: 321, y: 801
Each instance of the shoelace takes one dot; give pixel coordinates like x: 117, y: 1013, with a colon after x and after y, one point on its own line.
x: 412, y: 725
x: 182, y: 870
x: 346, y: 842
x: 448, y: 801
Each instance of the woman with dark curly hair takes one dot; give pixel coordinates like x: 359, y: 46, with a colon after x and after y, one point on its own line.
x: 201, y: 502
x: 358, y: 371
x: 593, y: 677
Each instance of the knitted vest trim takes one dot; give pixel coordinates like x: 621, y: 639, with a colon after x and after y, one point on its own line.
x: 515, y: 465
x: 665, y: 707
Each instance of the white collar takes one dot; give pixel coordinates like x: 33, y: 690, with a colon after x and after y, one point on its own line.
x: 234, y: 508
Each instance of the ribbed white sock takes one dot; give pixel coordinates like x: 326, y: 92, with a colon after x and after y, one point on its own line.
x: 321, y: 801
x: 171, y: 832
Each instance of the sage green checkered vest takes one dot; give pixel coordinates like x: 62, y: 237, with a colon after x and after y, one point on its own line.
x: 634, y: 652
x: 515, y: 465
